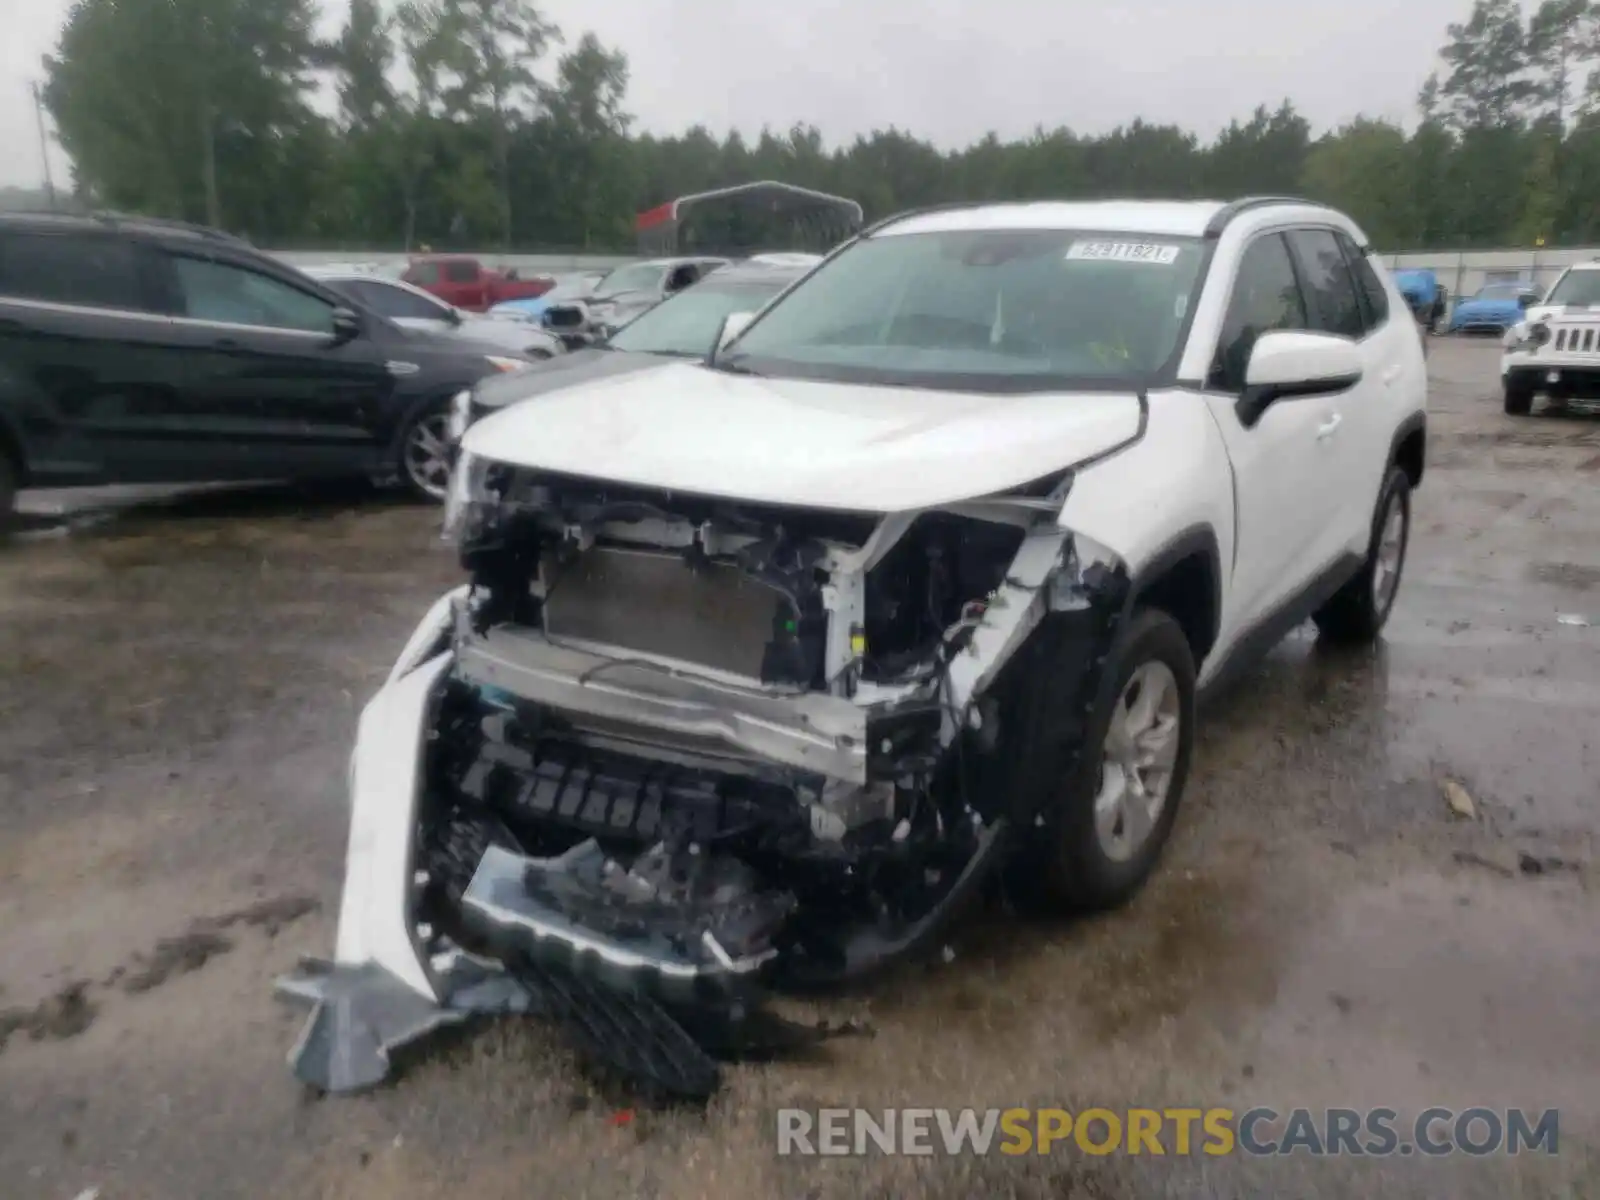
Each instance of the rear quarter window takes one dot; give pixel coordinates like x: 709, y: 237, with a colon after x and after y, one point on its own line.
x: 88, y: 270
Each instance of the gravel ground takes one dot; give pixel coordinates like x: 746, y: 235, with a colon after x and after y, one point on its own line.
x: 181, y: 684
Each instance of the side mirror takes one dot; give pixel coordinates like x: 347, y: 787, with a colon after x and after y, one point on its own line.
x: 346, y: 325
x: 1286, y: 365
x: 456, y: 318
x: 732, y: 326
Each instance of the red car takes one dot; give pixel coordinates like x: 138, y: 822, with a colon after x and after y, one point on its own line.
x: 468, y: 284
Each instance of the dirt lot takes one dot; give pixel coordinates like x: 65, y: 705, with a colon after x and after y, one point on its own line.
x: 179, y: 690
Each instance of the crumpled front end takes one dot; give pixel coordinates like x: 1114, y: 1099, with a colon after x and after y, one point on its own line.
x: 666, y: 753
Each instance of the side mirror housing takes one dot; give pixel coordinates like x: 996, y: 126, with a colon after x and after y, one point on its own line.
x: 732, y: 326
x: 346, y: 325
x: 1286, y: 365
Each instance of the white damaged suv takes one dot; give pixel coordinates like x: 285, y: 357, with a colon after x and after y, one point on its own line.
x: 765, y: 664
x: 1555, y: 348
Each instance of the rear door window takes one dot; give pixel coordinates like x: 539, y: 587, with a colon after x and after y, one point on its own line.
x: 1334, y: 306
x: 461, y: 272
x: 90, y: 270
x: 1369, y: 286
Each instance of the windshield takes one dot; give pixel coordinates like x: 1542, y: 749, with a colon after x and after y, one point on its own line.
x: 1576, y: 287
x: 996, y: 310
x: 1501, y: 291
x: 638, y: 277
x: 687, y: 323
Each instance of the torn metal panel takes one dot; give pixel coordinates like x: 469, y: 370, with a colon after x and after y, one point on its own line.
x: 361, y: 1014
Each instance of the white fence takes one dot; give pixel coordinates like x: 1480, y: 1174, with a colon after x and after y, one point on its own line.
x: 1465, y: 271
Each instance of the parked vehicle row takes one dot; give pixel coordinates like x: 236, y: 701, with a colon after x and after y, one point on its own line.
x: 135, y: 351
x: 467, y: 284
x: 622, y: 295
x: 683, y: 327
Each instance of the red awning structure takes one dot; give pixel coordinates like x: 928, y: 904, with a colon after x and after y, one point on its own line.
x: 752, y: 216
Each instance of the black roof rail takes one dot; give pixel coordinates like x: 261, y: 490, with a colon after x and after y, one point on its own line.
x: 1219, y: 220
x: 116, y: 220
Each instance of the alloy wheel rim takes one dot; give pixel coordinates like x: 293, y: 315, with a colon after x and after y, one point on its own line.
x: 427, y: 458
x: 1390, y: 556
x: 1137, y: 762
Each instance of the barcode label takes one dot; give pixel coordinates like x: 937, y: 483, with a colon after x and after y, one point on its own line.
x: 1135, y: 252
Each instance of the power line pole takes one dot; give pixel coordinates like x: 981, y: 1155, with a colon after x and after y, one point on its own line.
x: 44, y: 146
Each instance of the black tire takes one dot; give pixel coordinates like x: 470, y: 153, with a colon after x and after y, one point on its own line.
x: 1519, y: 399
x: 8, y: 492
x: 425, y: 485
x: 1071, y: 869
x: 1358, y: 611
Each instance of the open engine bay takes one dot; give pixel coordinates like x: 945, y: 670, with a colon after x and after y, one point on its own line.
x: 688, y: 749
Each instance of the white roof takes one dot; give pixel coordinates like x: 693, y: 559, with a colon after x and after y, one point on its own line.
x: 1175, y: 218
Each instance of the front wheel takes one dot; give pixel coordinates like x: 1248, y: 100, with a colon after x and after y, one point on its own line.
x: 1109, y: 820
x: 1357, y: 611
x: 424, y: 465
x: 1518, y: 398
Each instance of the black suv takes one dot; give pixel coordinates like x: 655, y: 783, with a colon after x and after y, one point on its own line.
x: 143, y: 351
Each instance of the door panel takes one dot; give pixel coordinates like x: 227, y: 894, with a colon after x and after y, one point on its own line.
x: 86, y: 364
x: 1283, y: 471
x: 267, y: 390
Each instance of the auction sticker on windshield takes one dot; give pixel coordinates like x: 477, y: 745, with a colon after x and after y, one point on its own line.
x: 1137, y: 252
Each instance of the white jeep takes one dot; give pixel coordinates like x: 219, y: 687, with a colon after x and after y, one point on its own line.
x: 767, y: 663
x: 1555, y: 348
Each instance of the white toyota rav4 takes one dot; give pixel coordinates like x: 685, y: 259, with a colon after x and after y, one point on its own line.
x: 767, y: 663
x: 1555, y: 348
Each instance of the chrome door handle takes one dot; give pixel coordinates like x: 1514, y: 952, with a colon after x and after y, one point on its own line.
x: 1329, y: 427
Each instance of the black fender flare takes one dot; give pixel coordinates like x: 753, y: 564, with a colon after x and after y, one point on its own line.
x: 1415, y: 423
x: 1195, y: 540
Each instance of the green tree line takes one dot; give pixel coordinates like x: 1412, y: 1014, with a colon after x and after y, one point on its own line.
x: 456, y: 122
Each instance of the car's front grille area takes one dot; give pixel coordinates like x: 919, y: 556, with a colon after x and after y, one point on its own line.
x: 1576, y: 339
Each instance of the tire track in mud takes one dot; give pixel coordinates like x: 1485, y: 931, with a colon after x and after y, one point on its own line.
x: 72, y: 1008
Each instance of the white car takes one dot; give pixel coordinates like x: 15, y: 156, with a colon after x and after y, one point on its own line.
x: 1555, y: 348
x: 764, y: 665
x: 412, y: 308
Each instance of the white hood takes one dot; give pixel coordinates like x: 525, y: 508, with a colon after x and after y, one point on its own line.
x: 821, y: 445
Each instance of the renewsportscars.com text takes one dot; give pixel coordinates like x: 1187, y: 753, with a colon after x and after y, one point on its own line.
x: 1373, y: 1132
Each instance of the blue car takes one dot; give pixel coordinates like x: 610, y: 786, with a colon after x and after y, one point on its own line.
x: 1496, y: 308
x: 568, y: 287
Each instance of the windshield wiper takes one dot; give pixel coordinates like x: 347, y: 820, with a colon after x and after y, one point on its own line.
x: 733, y: 366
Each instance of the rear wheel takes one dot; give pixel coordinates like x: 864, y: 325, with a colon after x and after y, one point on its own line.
x: 424, y: 465
x: 1518, y: 398
x: 1357, y: 612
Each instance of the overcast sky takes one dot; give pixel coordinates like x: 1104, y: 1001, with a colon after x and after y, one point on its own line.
x: 945, y: 69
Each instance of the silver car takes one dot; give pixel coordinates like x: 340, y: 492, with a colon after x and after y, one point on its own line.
x: 413, y: 308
